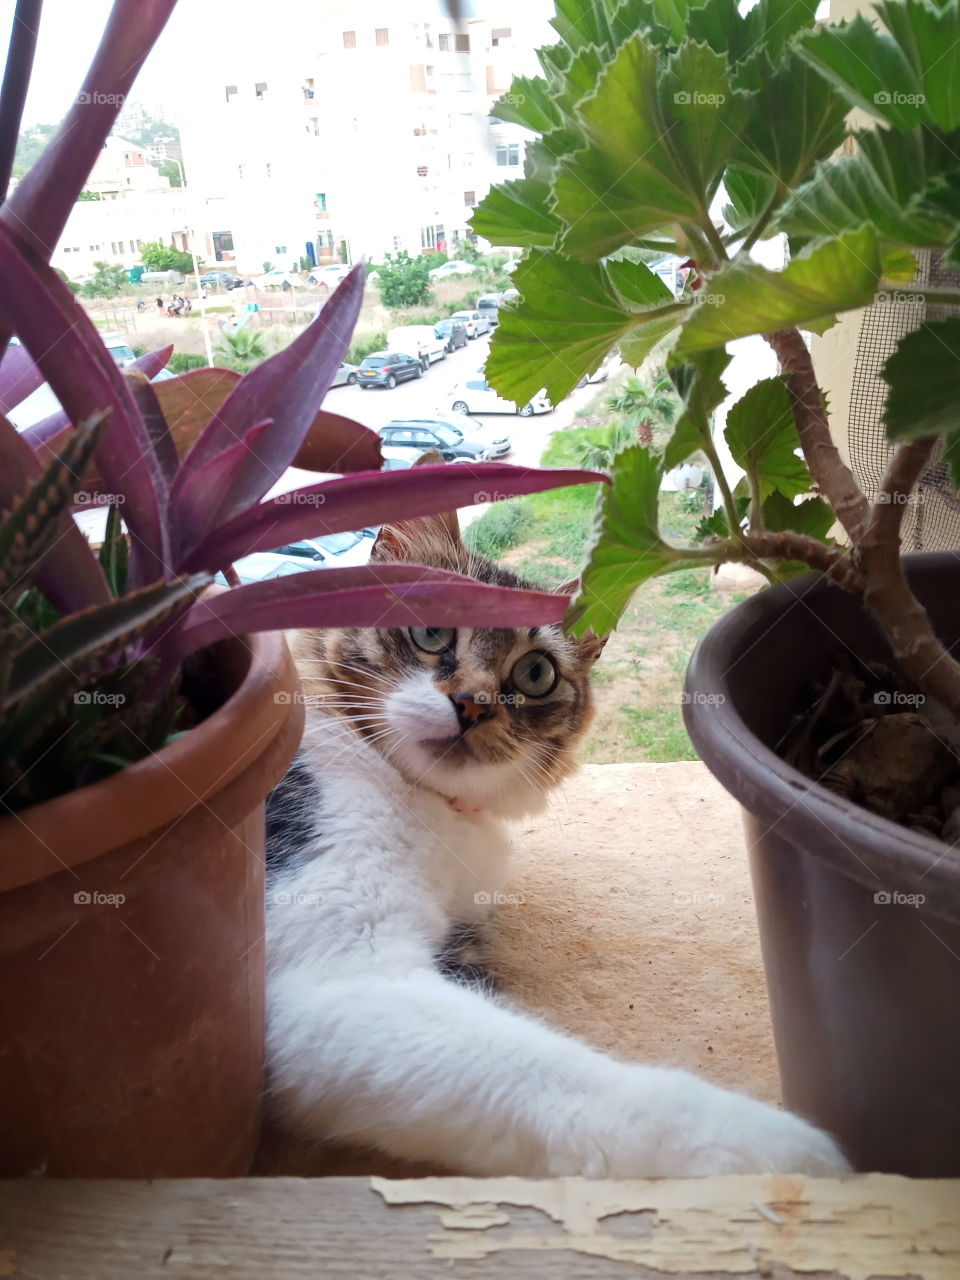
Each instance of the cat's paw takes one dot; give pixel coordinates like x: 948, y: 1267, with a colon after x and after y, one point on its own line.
x: 746, y: 1136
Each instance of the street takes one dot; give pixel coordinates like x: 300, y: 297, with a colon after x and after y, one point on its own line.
x: 431, y: 395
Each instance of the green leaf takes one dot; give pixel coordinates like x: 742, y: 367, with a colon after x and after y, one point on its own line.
x: 746, y: 298
x: 717, y: 525
x: 762, y: 437
x: 796, y: 118
x: 768, y: 26
x: 582, y: 22
x: 813, y: 517
x: 700, y: 384
x: 571, y: 314
x: 657, y: 142
x: 114, y: 552
x: 517, y: 214
x: 628, y: 548
x: 528, y: 103
x: 749, y: 196
x: 923, y: 375
x: 908, y: 77
x: 884, y: 183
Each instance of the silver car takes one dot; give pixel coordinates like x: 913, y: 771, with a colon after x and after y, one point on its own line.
x: 346, y: 375
x: 476, y: 322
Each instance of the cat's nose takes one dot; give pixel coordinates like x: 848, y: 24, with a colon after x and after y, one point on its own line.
x: 471, y: 708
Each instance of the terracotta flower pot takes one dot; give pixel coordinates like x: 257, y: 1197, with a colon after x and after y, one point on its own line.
x: 131, y: 948
x: 859, y: 917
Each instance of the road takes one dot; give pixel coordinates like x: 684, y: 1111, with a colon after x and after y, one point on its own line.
x: 427, y: 396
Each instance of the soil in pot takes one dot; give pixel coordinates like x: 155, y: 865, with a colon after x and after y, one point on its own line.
x: 859, y: 916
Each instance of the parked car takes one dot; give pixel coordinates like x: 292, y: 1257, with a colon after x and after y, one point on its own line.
x: 397, y: 460
x: 331, y: 550
x: 476, y: 322
x: 452, y: 268
x: 387, y: 368
x: 488, y: 304
x: 477, y: 396
x: 277, y: 279
x: 509, y: 295
x: 346, y: 375
x: 420, y: 434
x: 418, y: 340
x: 330, y: 275
x: 221, y: 279
x: 453, y: 333
x: 42, y: 402
x: 510, y: 266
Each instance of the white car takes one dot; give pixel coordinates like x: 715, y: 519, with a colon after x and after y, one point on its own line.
x: 475, y: 322
x: 418, y: 340
x: 277, y: 279
x: 452, y: 268
x: 331, y: 274
x: 477, y: 396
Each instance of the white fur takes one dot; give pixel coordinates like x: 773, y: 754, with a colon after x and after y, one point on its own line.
x: 369, y: 1043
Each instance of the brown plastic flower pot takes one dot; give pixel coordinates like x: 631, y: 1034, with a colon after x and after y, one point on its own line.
x: 859, y: 917
x: 131, y: 948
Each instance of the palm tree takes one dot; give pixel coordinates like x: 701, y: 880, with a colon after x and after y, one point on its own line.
x: 241, y: 350
x: 600, y: 445
x: 643, y: 407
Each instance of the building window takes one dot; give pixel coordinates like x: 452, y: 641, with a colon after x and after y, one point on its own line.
x: 422, y: 171
x: 349, y: 39
x: 325, y: 240
x: 308, y: 91
x: 444, y: 44
x: 313, y: 126
x: 113, y: 247
x: 427, y: 40
x: 508, y: 154
x: 260, y: 88
x: 231, y: 91
x: 462, y: 44
x: 396, y: 244
x: 320, y: 202
x: 139, y: 245
x: 466, y: 160
x: 500, y: 36
x: 428, y: 237
x: 280, y: 248
x: 383, y: 35
x: 470, y: 198
x: 240, y: 171
x: 268, y: 170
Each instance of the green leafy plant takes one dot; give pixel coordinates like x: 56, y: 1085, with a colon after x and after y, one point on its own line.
x: 161, y: 257
x: 644, y: 407
x: 646, y: 113
x: 404, y: 281
x: 241, y: 350
x: 108, y: 280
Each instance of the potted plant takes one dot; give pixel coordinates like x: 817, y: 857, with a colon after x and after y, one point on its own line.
x: 144, y: 716
x: 647, y: 115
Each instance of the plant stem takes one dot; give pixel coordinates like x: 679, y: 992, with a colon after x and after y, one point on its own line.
x: 16, y: 80
x: 832, y: 475
x: 761, y: 224
x: 715, y: 240
x: 918, y: 651
x: 833, y: 562
x: 730, y: 505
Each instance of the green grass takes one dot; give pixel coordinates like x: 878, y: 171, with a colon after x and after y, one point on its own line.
x: 501, y: 528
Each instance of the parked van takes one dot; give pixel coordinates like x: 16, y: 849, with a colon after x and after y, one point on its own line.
x: 418, y: 340
x: 162, y: 277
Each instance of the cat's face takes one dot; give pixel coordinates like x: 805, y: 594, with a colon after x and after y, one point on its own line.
x: 490, y: 718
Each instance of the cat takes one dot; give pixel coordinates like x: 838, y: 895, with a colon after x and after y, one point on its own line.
x: 386, y: 845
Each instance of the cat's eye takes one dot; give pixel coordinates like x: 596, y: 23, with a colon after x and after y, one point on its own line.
x: 534, y: 675
x: 433, y: 639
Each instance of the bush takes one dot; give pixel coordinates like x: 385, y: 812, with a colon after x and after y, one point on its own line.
x: 160, y: 257
x: 241, y: 350
x: 501, y: 528
x: 404, y: 281
x: 183, y: 361
x: 364, y: 345
x: 108, y: 280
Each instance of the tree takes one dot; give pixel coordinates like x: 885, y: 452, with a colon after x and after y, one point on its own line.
x: 643, y: 407
x: 172, y: 171
x: 161, y: 257
x: 87, y: 194
x: 241, y: 350
x: 404, y: 281
x: 108, y: 280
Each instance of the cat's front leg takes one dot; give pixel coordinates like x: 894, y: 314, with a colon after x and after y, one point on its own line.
x: 427, y: 1070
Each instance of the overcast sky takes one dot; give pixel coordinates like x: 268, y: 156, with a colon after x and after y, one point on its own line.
x: 70, y: 31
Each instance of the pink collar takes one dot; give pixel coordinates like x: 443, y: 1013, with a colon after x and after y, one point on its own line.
x: 460, y: 806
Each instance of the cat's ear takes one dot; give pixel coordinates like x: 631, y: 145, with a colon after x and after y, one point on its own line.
x: 433, y: 539
x: 590, y: 644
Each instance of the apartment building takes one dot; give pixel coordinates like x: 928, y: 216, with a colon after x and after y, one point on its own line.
x: 369, y: 133
x: 132, y: 204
